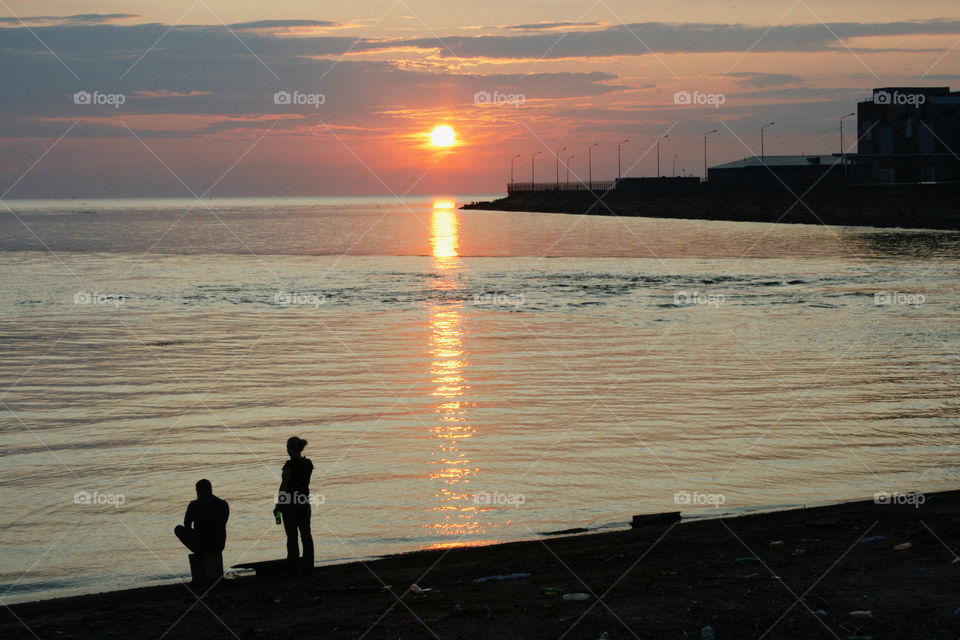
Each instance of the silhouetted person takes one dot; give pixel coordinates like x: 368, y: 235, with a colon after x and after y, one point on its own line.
x: 293, y: 501
x: 204, y: 527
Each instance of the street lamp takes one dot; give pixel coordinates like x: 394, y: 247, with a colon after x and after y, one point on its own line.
x: 843, y: 150
x: 590, y: 164
x: 663, y: 137
x: 567, y: 164
x: 619, y: 144
x: 763, y: 155
x: 705, y: 153
x: 532, y: 181
x: 511, y: 167
x: 557, y: 155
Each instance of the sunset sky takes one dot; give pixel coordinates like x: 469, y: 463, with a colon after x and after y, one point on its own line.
x: 198, y: 81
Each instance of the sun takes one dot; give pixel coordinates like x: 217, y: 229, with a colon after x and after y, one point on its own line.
x: 442, y: 136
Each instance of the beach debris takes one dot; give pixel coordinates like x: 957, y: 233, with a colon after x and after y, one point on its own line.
x: 564, y: 532
x: 957, y: 612
x: 798, y: 552
x: 903, y: 547
x: 552, y: 591
x: 707, y: 633
x: 873, y: 539
x: 777, y: 544
x: 651, y: 519
x: 385, y: 588
x: 507, y: 576
x: 752, y: 576
x: 277, y: 600
x: 230, y: 575
x: 576, y: 596
x: 415, y: 588
x: 861, y: 615
x: 821, y: 613
x: 956, y: 560
x: 743, y: 560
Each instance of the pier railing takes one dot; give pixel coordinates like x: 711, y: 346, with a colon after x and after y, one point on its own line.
x: 596, y: 185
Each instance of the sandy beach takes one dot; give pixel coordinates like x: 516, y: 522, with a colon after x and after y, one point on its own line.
x: 828, y: 572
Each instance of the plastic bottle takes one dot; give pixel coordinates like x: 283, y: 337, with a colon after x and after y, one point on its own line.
x: 278, y: 517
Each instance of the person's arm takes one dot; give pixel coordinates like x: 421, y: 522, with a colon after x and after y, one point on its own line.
x: 188, y: 517
x: 284, y: 483
x: 226, y: 512
x: 285, y: 477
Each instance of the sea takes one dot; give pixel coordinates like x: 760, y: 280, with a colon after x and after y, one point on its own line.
x: 462, y: 377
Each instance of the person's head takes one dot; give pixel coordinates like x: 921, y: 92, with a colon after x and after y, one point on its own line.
x: 204, y: 488
x: 295, y: 446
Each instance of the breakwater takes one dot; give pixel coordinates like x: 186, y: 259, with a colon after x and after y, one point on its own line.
x: 919, y: 206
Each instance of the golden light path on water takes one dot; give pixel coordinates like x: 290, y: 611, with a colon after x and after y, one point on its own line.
x: 456, y: 514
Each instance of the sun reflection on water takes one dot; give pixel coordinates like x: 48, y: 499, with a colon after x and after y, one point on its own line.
x: 456, y: 513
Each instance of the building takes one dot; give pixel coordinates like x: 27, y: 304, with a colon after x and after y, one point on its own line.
x: 909, y: 134
x: 775, y: 172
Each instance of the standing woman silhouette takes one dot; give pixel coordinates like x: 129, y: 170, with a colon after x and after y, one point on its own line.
x: 293, y: 501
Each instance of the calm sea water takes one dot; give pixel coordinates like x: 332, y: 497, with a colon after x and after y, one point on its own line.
x: 463, y: 377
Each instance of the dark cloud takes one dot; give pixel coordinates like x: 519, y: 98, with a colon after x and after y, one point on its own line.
x: 641, y: 38
x: 622, y: 40
x: 759, y: 80
x: 77, y: 19
x: 283, y: 24
x: 549, y: 26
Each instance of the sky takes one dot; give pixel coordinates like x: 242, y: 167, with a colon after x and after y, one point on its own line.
x: 208, y: 97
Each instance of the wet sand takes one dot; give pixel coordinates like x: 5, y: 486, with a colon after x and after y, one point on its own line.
x: 663, y: 581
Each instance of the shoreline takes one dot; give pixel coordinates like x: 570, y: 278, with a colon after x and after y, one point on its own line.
x: 933, y: 207
x: 655, y: 581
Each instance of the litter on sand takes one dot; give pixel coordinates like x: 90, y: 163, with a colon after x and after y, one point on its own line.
x: 506, y: 576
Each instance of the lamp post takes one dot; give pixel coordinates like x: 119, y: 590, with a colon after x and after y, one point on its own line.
x: 511, y: 167
x: 663, y: 137
x: 532, y: 181
x: 567, y: 163
x: 763, y: 155
x: 620, y: 144
x: 705, y: 153
x: 590, y: 164
x: 557, y: 155
x: 843, y: 150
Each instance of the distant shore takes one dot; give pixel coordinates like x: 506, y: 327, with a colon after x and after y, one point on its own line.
x: 801, y: 570
x: 933, y: 206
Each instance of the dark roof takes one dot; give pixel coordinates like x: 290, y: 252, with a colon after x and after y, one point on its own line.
x: 780, y: 161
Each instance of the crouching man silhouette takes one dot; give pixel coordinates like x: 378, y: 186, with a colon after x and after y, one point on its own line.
x: 204, y: 527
